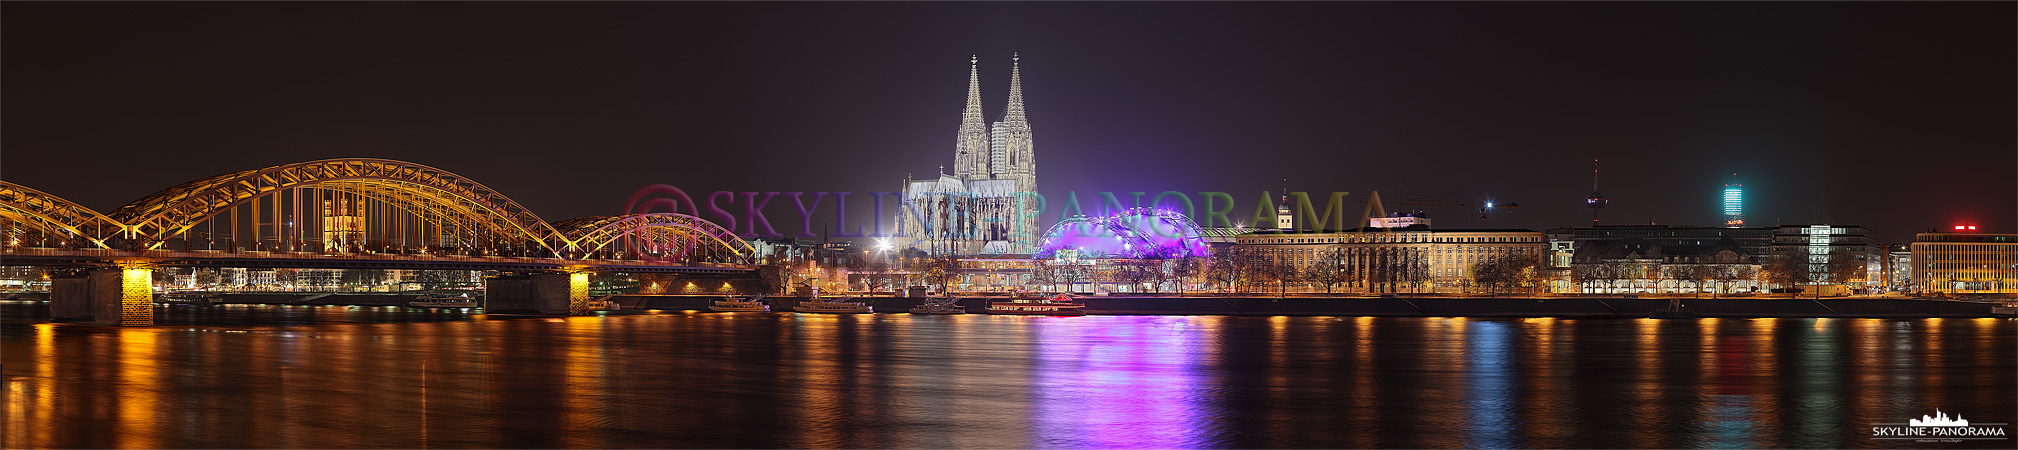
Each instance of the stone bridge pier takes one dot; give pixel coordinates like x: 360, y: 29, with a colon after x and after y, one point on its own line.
x: 103, y: 296
x: 538, y: 293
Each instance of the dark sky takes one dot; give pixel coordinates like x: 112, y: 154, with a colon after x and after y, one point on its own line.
x: 1895, y: 116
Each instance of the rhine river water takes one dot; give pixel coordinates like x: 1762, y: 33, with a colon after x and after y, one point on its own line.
x: 383, y: 377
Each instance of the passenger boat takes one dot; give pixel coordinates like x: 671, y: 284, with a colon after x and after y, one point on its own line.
x: 443, y: 301
x: 939, y: 305
x: 191, y: 298
x: 732, y: 304
x: 1060, y: 305
x: 832, y: 306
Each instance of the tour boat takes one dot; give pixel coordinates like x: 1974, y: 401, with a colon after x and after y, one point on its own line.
x: 939, y: 305
x: 1060, y: 305
x: 732, y: 304
x: 442, y: 301
x: 832, y: 306
x: 191, y: 298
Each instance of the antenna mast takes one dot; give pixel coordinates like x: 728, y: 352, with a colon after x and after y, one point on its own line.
x: 1597, y: 199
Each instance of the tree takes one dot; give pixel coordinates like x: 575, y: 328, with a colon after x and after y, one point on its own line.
x: 1135, y: 273
x: 1585, y: 275
x: 940, y: 271
x: 363, y: 277
x: 1788, y: 270
x: 876, y: 274
x: 1333, y: 267
x: 1504, y: 272
x: 1413, y: 269
x: 1724, y: 274
x: 1845, y: 267
x: 1224, y: 268
x: 1691, y: 273
x: 1043, y: 273
x: 1184, y: 270
x: 1281, y: 272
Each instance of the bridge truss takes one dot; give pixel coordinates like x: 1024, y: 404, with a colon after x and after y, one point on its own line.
x: 356, y: 206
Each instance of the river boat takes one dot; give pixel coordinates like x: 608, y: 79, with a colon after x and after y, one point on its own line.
x: 732, y: 304
x: 435, y: 300
x: 939, y: 305
x: 1060, y: 305
x: 839, y: 305
x: 191, y: 298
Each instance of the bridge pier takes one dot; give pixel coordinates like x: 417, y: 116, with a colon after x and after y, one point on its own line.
x: 103, y: 296
x: 540, y: 293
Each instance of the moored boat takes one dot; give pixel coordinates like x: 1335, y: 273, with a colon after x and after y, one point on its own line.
x: 832, y: 306
x: 433, y: 300
x: 1060, y: 305
x: 939, y: 305
x: 732, y: 304
x: 191, y: 298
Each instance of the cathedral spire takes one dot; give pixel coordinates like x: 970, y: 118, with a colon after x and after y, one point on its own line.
x: 971, y: 146
x: 973, y: 114
x: 1014, y: 115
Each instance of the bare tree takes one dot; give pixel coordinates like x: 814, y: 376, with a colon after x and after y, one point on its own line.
x: 1184, y: 270
x: 1844, y: 267
x: 1787, y: 270
x: 1135, y: 273
x: 1691, y: 273
x: 1224, y: 268
x: 1282, y: 273
x: 1333, y: 268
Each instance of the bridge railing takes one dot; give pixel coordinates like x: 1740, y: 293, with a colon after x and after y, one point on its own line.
x: 258, y: 254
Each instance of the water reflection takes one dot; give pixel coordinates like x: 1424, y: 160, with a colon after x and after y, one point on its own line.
x: 331, y: 377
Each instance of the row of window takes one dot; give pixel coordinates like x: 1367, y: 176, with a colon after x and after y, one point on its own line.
x: 1399, y: 239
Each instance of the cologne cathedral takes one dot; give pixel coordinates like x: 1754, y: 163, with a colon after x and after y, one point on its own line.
x: 988, y: 205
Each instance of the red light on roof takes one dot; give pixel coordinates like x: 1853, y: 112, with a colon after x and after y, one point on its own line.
x: 1972, y: 228
x: 1960, y: 227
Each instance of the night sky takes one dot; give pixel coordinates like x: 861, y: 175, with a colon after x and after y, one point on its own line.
x: 1895, y: 116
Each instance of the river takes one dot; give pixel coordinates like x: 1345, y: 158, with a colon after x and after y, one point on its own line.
x: 240, y: 376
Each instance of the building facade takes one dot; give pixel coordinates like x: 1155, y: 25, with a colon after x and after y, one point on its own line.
x: 1414, y: 259
x: 1825, y: 247
x: 1965, y: 262
x: 988, y: 204
x: 1658, y: 258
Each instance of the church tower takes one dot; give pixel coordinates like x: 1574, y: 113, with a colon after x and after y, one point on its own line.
x: 971, y: 146
x: 1010, y: 152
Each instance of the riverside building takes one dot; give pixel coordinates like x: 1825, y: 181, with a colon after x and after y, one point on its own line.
x: 1413, y: 259
x: 1965, y: 262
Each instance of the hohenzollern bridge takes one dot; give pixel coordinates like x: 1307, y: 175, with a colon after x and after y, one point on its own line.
x: 343, y: 213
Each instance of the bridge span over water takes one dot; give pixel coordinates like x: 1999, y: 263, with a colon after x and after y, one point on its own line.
x: 343, y: 213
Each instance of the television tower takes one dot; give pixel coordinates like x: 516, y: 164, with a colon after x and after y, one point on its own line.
x: 1734, y: 204
x: 1597, y: 199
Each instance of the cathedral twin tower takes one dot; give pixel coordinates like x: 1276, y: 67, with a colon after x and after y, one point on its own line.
x: 1001, y: 150
x: 988, y: 205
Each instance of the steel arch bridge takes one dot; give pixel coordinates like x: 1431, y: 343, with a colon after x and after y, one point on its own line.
x: 379, y: 203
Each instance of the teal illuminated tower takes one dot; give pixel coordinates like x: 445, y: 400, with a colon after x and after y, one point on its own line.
x: 1734, y: 204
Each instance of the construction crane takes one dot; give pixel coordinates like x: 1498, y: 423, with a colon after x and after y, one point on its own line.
x: 1485, y: 204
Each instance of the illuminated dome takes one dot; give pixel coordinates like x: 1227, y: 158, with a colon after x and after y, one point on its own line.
x: 1139, y: 233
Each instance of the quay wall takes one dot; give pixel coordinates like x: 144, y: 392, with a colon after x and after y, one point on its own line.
x: 1322, y: 306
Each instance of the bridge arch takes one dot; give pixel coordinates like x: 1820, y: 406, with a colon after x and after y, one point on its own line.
x: 656, y: 235
x: 420, y: 188
x: 24, y: 208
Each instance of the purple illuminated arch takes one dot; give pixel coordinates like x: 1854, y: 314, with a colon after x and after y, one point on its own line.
x: 1139, y: 233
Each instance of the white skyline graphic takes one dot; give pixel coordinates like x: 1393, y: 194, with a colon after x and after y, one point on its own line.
x: 1939, y: 419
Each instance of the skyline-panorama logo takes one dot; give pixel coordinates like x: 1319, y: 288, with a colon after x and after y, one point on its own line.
x: 1938, y: 427
x: 1939, y: 419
